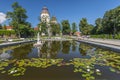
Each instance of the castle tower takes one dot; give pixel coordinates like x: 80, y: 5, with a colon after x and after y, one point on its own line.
x: 45, y: 16
x: 54, y: 20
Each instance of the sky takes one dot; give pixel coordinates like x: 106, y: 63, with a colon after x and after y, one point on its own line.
x: 72, y: 10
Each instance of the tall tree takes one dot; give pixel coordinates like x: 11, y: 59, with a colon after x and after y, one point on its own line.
x: 55, y: 29
x: 98, y: 28
x: 111, y: 21
x: 74, y: 27
x: 84, y: 27
x: 17, y: 16
x: 90, y: 28
x: 0, y: 26
x: 42, y: 27
x: 25, y: 31
x: 65, y: 27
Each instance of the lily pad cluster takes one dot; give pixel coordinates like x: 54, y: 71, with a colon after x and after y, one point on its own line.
x: 3, y: 65
x: 111, y: 60
x: 18, y: 67
x: 86, y: 67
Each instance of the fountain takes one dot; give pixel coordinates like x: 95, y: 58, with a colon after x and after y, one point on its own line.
x: 38, y: 40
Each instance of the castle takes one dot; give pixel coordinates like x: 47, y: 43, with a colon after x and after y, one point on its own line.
x: 45, y: 16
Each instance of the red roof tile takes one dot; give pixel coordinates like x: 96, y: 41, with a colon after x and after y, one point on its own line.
x: 9, y: 27
x: 36, y: 28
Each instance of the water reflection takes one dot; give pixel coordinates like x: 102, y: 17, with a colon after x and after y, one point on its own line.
x: 22, y: 51
x: 91, y: 52
x: 66, y: 47
x: 74, y: 45
x: 82, y: 49
x: 86, y: 50
x: 50, y: 49
x: 5, y: 56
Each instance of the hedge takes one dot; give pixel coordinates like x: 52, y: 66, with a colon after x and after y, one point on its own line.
x: 7, y: 32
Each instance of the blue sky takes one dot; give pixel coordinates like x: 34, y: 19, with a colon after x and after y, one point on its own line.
x: 72, y: 10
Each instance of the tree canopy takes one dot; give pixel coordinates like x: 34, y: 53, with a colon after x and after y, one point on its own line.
x: 74, y: 27
x: 111, y: 21
x: 65, y: 27
x: 55, y: 29
x: 18, y: 18
x: 84, y: 27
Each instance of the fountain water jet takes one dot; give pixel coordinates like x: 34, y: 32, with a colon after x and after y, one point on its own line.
x: 38, y: 40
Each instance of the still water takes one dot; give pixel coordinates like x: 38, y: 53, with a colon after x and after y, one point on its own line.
x: 71, y: 53
x: 54, y: 49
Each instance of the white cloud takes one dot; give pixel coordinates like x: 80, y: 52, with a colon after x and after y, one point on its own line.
x: 2, y: 17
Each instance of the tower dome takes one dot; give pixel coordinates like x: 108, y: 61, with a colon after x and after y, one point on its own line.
x: 53, y: 20
x: 45, y: 10
x: 45, y: 17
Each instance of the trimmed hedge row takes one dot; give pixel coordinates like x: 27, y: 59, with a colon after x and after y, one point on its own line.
x: 7, y: 32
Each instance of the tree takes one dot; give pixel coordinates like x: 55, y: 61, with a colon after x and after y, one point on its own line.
x: 55, y: 29
x: 84, y: 27
x: 42, y: 27
x: 0, y: 26
x: 4, y: 27
x: 108, y: 22
x: 17, y: 16
x: 74, y: 27
x: 65, y: 27
x: 98, y: 29
x: 90, y: 28
x: 111, y: 21
x: 26, y: 31
x: 117, y: 19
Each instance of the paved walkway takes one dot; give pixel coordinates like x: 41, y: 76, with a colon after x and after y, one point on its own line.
x: 14, y: 43
x: 109, y: 44
x: 105, y: 41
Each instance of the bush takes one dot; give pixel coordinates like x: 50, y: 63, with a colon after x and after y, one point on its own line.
x: 7, y: 32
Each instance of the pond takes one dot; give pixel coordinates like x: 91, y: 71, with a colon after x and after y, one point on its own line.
x: 58, y: 60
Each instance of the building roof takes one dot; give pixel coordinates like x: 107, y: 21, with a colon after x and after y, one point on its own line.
x: 78, y: 32
x: 9, y: 27
x: 36, y: 28
x: 53, y: 19
x: 45, y: 10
